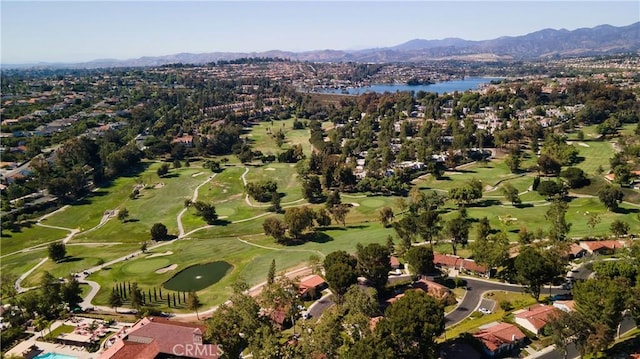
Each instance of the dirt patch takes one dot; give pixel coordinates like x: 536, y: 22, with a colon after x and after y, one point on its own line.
x: 158, y: 185
x: 167, y: 269
x: 167, y: 253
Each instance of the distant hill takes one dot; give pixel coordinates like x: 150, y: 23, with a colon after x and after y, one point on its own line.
x: 603, y: 39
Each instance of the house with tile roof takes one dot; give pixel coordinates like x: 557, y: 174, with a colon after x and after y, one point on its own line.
x: 311, y: 286
x: 154, y: 337
x: 535, y: 318
x: 602, y: 247
x: 499, y: 338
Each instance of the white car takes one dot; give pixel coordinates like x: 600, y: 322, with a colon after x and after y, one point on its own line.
x: 484, y: 311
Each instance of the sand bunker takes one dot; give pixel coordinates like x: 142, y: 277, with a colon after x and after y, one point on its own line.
x: 158, y: 185
x: 354, y: 204
x: 269, y: 169
x: 583, y: 144
x: 167, y: 253
x: 197, y: 174
x: 167, y: 268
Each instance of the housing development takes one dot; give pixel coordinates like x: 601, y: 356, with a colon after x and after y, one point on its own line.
x: 272, y: 207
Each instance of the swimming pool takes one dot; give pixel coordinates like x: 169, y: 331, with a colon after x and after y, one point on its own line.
x: 54, y: 356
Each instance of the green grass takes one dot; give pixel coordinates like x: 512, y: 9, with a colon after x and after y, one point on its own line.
x: 28, y: 237
x: 63, y: 329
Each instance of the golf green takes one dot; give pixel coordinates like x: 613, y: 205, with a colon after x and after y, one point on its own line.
x: 198, y: 276
x: 372, y: 203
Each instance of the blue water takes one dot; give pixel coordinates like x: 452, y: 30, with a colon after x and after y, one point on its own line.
x: 54, y: 356
x: 470, y: 83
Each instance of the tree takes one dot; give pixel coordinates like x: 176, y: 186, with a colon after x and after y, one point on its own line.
x: 551, y: 189
x: 610, y: 196
x: 231, y: 326
x: 333, y: 199
x: 115, y: 300
x: 374, y: 264
x: 513, y: 162
x: 593, y: 220
x: 492, y: 251
x: 271, y: 275
x: 340, y: 277
x: 483, y: 229
x: 275, y: 228
x: 143, y: 247
x: 420, y: 259
x: 575, y: 177
x: 298, y: 219
x: 123, y: 214
x: 158, y: 232
x: 386, y: 215
x: 458, y: 228
x: 193, y: 303
x: 548, y: 165
x: 262, y: 191
x: 619, y: 228
x: 533, y: 270
x: 136, y: 297
x: 339, y: 213
x: 57, y: 251
x: 322, y: 217
x: 467, y: 193
x: 556, y: 216
x: 622, y: 174
x: 600, y: 303
x: 412, y: 324
x: 427, y: 224
x: 163, y: 170
x: 339, y: 257
x: 312, y: 188
x: 71, y: 292
x: 206, y: 211
x: 510, y: 193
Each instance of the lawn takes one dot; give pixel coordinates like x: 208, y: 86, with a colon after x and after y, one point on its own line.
x: 28, y: 237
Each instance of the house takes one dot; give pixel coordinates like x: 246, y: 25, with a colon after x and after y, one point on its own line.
x: 395, y: 262
x: 565, y: 305
x: 447, y: 261
x: 311, y: 286
x: 186, y: 140
x: 576, y: 251
x: 433, y: 289
x: 534, y: 319
x: 602, y: 247
x: 499, y: 338
x: 471, y: 266
x: 154, y: 337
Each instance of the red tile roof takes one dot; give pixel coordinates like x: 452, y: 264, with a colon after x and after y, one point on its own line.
x: 153, y: 335
x: 592, y: 246
x: 312, y: 281
x: 498, y: 335
x: 471, y: 265
x: 394, y: 262
x: 446, y: 260
x: 539, y: 316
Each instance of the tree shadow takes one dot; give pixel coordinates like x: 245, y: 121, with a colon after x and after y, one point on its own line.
x: 320, y: 237
x: 171, y: 175
x: 622, y: 210
x: 523, y: 205
x: 70, y: 259
x: 132, y: 220
x: 221, y: 222
x: 359, y: 226
x: 486, y: 203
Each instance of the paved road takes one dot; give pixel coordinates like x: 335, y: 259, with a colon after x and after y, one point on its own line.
x: 473, y: 297
x: 318, y: 307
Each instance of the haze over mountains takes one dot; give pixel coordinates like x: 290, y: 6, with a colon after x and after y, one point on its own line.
x: 603, y: 39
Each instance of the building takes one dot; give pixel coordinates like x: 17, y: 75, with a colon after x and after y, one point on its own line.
x: 534, y: 319
x: 395, y: 263
x: 499, y: 338
x: 602, y: 247
x: 565, y: 305
x: 433, y: 289
x: 154, y: 337
x: 311, y: 286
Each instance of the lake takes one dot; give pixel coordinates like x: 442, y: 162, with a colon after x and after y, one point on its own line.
x: 470, y: 83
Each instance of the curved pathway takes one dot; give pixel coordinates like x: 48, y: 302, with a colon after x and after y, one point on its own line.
x: 193, y: 199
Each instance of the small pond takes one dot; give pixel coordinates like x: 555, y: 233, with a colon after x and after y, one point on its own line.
x: 197, y: 277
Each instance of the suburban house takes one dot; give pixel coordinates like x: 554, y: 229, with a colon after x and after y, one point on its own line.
x: 499, y: 338
x: 395, y: 263
x: 602, y: 247
x: 576, y: 251
x: 565, y: 305
x: 433, y: 289
x: 534, y: 319
x: 311, y: 286
x: 154, y: 337
x: 186, y: 140
x: 457, y: 263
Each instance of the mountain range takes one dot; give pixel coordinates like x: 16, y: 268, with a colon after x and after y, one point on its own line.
x: 547, y: 43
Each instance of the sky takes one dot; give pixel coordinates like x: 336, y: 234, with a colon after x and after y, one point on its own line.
x: 76, y: 31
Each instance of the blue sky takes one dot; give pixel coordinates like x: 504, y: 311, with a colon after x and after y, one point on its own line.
x: 54, y: 31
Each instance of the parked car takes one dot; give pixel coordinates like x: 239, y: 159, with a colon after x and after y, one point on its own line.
x: 484, y: 311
